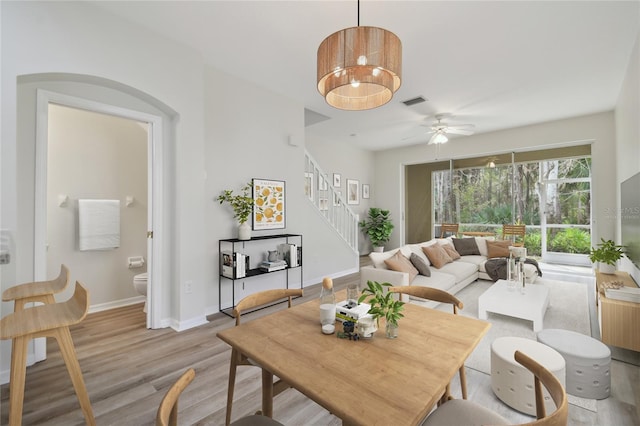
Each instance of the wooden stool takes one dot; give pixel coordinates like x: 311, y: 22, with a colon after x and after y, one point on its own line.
x: 49, y: 320
x: 39, y: 291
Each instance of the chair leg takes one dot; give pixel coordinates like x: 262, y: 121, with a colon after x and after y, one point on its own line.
x: 17, y: 379
x: 463, y: 382
x: 267, y: 393
x: 63, y: 335
x: 232, y: 383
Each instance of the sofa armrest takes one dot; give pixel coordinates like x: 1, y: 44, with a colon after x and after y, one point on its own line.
x: 370, y: 273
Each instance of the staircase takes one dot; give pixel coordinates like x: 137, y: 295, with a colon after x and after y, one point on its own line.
x: 330, y: 203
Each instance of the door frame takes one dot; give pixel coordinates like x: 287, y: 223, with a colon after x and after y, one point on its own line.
x: 154, y: 190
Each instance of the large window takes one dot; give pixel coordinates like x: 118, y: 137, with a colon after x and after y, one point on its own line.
x: 552, y: 197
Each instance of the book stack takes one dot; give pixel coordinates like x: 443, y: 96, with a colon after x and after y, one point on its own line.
x: 234, y: 265
x: 272, y: 266
x: 290, y: 253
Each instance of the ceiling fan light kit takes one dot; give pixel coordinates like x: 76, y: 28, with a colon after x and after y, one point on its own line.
x: 359, y: 68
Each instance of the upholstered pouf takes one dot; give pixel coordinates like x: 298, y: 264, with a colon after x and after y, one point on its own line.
x: 588, y: 362
x: 513, y: 383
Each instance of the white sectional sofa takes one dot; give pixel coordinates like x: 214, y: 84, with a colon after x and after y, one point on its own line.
x: 451, y: 277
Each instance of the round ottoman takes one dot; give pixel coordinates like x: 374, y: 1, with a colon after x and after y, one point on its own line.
x: 513, y: 383
x: 588, y: 362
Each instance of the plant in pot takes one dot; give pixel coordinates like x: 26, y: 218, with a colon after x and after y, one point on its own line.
x: 378, y: 227
x: 242, y: 205
x: 607, y: 255
x: 383, y: 305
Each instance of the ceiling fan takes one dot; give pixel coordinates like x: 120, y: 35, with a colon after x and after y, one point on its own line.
x: 441, y: 129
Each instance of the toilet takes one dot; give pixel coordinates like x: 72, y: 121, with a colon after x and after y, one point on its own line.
x: 140, y: 284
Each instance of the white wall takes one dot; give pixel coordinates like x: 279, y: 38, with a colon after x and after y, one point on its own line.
x: 96, y: 156
x: 628, y: 137
x: 599, y: 128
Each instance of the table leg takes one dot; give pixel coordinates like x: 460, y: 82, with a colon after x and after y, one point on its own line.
x: 267, y: 393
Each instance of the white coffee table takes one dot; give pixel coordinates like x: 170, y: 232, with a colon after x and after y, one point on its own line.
x: 531, y: 305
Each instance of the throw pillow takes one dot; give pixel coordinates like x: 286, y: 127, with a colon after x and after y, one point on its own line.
x: 401, y: 264
x: 453, y: 254
x: 378, y: 258
x: 498, y: 248
x: 466, y: 246
x: 437, y: 255
x: 420, y: 265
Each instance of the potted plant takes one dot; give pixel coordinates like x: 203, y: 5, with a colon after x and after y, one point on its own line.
x: 607, y: 254
x: 242, y: 205
x: 383, y: 305
x: 378, y: 227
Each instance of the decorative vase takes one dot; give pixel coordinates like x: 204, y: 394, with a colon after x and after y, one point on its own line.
x: 605, y: 268
x: 378, y: 249
x: 244, y: 231
x: 391, y: 330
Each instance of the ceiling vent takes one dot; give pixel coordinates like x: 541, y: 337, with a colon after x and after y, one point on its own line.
x: 416, y: 100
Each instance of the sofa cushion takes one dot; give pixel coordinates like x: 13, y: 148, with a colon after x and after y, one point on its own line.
x: 378, y: 258
x: 453, y: 254
x: 420, y: 265
x: 482, y: 244
x: 438, y: 280
x: 466, y: 246
x: 401, y: 264
x: 437, y: 255
x: 498, y: 249
x: 460, y: 270
x: 417, y: 250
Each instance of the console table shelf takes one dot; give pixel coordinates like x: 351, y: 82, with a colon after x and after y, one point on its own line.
x: 232, y: 290
x: 618, y: 319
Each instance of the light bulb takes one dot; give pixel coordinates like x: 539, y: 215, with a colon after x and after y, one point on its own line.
x: 440, y: 138
x: 362, y: 60
x: 355, y: 83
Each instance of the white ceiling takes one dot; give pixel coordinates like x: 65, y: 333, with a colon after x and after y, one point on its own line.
x: 496, y: 64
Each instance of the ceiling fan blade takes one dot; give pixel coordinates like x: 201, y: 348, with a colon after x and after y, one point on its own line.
x: 455, y: 131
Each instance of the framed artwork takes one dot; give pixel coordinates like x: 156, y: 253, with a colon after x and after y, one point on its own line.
x: 308, y: 185
x: 336, y: 198
x: 353, y: 191
x: 365, y: 191
x: 337, y: 181
x: 324, y: 204
x: 323, y: 185
x: 268, y: 204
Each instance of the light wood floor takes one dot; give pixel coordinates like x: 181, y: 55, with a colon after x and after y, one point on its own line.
x: 128, y: 368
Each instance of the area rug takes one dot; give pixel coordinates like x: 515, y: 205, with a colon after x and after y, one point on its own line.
x: 568, y: 309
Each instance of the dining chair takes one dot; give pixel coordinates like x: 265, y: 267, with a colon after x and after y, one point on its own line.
x: 237, y: 358
x: 441, y: 296
x: 167, y: 414
x: 49, y: 320
x: 449, y: 228
x: 463, y: 412
x: 38, y: 291
x: 513, y: 232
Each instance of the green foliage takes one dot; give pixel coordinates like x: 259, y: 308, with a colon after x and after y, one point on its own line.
x: 242, y: 204
x: 382, y: 304
x: 571, y: 240
x: 607, y: 252
x: 533, y: 243
x: 377, y: 226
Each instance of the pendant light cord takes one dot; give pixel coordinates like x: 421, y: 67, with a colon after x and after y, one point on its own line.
x: 358, y: 12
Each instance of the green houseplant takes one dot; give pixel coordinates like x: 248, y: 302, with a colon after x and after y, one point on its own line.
x: 607, y: 254
x: 242, y: 205
x: 378, y: 227
x: 383, y: 305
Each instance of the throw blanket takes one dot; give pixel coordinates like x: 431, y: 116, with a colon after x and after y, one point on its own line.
x: 497, y: 268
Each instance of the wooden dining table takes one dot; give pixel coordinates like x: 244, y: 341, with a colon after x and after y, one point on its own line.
x: 377, y: 381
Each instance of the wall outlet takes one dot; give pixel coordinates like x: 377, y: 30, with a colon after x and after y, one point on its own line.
x: 188, y: 286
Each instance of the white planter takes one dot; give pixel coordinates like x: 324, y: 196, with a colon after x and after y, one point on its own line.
x: 244, y: 231
x: 606, y: 269
x: 378, y: 249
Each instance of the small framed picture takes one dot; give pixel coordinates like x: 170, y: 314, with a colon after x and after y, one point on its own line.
x: 308, y: 185
x: 336, y: 198
x: 365, y: 191
x: 323, y: 204
x: 353, y: 191
x: 323, y: 185
x: 337, y: 181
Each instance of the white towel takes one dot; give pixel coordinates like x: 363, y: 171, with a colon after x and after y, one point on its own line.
x: 99, y: 224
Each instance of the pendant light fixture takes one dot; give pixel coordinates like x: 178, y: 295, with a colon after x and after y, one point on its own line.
x: 359, y: 68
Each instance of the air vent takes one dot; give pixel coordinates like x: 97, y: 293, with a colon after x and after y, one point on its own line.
x: 416, y: 100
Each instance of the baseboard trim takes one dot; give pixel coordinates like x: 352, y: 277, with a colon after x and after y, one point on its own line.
x: 116, y: 304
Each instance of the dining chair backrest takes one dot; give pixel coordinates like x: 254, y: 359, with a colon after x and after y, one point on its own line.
x: 263, y: 298
x: 429, y: 293
x: 37, y: 291
x: 515, y: 233
x: 167, y: 414
x: 544, y: 377
x: 449, y: 228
